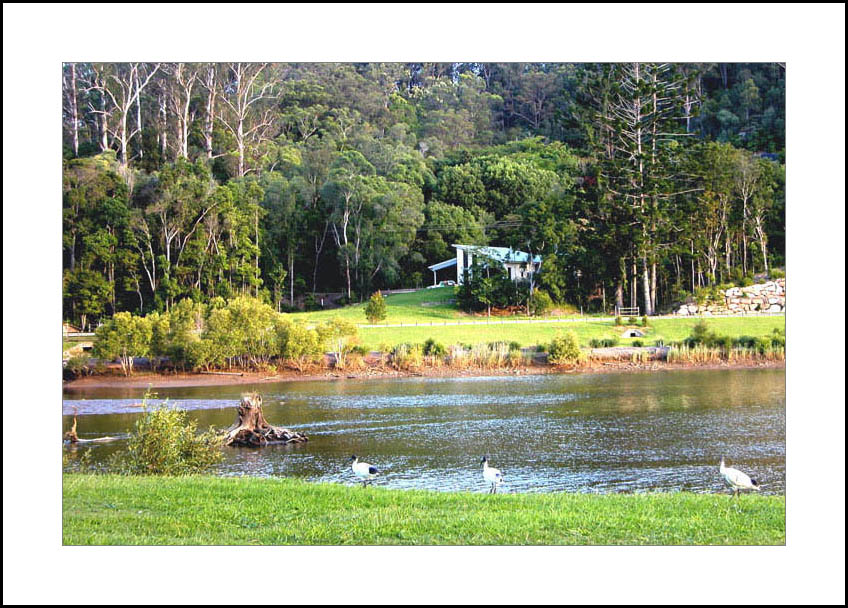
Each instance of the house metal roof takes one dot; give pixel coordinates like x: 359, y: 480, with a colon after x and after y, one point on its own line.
x: 445, y: 264
x: 501, y: 254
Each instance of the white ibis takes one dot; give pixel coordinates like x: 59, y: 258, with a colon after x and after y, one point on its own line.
x: 492, y: 475
x: 737, y: 480
x: 363, y: 470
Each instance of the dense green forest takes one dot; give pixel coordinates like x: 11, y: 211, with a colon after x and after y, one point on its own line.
x: 638, y: 183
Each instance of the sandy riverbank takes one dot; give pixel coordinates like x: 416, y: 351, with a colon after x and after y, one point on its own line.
x: 143, y: 380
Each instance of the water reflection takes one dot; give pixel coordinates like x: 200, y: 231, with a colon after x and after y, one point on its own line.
x: 602, y: 433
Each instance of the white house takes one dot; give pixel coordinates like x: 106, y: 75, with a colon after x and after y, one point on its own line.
x: 516, y: 263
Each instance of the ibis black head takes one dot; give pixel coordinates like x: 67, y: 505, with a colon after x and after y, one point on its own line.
x: 755, y: 483
x: 485, y: 459
x: 353, y: 458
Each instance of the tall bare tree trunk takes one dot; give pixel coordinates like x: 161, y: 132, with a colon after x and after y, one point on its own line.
x: 74, y: 110
x: 654, y: 288
x: 138, y: 117
x: 209, y: 120
x: 256, y: 263
x: 291, y: 276
x: 163, y: 128
x: 646, y: 287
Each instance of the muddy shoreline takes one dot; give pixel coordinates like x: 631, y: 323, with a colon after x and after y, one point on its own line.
x: 159, y: 380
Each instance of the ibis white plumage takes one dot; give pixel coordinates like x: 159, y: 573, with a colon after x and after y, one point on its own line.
x: 363, y: 470
x: 737, y: 480
x: 492, y: 475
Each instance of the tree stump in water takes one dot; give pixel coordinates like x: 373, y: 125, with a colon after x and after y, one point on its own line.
x: 251, y: 428
x: 71, y: 436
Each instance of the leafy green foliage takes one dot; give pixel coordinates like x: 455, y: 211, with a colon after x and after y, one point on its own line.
x: 341, y: 336
x: 434, y: 349
x: 124, y: 337
x: 299, y: 344
x: 540, y: 303
x: 375, y: 170
x: 565, y: 349
x: 165, y: 442
x: 375, y: 311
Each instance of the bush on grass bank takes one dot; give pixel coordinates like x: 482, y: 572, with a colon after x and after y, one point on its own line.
x: 565, y: 349
x: 165, y: 442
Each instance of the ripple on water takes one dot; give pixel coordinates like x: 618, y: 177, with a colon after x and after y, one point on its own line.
x: 615, y: 433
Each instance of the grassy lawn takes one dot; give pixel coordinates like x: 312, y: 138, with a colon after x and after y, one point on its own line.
x: 542, y: 333
x: 222, y: 511
x: 71, y: 341
x: 424, y: 305
x: 432, y: 307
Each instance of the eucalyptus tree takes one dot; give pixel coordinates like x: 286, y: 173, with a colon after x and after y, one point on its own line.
x: 286, y: 216
x: 120, y: 86
x: 347, y: 192
x: 70, y: 108
x: 746, y: 175
x: 768, y: 197
x: 182, y: 78
x: 247, y: 118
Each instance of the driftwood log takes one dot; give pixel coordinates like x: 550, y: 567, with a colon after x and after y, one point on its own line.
x: 71, y: 435
x: 251, y: 428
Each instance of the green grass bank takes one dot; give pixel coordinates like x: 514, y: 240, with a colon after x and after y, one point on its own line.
x: 117, y: 510
x: 529, y: 334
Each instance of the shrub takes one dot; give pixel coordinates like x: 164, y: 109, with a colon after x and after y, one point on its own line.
x: 618, y: 321
x: 341, y: 335
x: 375, y: 310
x: 299, y: 345
x: 701, y: 332
x: 565, y: 349
x: 310, y: 303
x: 637, y: 343
x: 645, y: 321
x: 745, y: 342
x: 434, y: 349
x: 78, y: 366
x: 165, y: 442
x: 632, y: 320
x: 359, y: 350
x: 540, y: 303
x: 776, y: 273
x: 125, y: 336
x: 723, y: 342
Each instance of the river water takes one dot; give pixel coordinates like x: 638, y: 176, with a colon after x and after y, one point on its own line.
x: 620, y: 432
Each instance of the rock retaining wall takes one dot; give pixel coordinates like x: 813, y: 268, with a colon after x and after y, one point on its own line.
x: 762, y: 297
